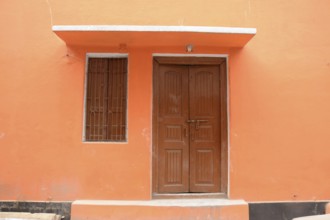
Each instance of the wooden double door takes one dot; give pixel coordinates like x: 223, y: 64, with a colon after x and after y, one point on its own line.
x: 187, y: 119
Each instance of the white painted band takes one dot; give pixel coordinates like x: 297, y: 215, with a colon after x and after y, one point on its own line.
x: 146, y: 28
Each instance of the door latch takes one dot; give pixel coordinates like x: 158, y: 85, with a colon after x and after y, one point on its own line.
x: 198, y: 121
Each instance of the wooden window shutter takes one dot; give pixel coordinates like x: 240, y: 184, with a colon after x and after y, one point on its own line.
x: 106, y: 99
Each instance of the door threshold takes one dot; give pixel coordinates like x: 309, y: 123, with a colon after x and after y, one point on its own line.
x: 189, y: 196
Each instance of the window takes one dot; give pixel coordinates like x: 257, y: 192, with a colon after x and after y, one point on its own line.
x: 106, y: 99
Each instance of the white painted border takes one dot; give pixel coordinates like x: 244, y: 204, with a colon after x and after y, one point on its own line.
x: 149, y: 28
x: 228, y: 125
x: 188, y: 55
x: 103, y: 55
x: 228, y: 95
x: 107, y: 55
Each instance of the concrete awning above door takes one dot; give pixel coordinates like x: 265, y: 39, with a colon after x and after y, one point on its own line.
x: 148, y: 36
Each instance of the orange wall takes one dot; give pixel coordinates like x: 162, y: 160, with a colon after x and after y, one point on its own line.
x: 279, y: 99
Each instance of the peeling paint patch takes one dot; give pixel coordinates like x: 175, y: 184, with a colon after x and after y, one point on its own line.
x: 7, y: 190
x: 146, y: 133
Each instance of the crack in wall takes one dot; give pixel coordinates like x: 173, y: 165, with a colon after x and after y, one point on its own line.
x: 50, y: 12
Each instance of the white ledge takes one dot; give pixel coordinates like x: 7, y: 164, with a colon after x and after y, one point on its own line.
x: 153, y: 36
x: 141, y: 28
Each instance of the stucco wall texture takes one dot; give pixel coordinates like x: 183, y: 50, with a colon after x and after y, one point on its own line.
x: 279, y: 92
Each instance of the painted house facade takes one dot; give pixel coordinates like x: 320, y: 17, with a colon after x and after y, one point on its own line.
x: 166, y: 109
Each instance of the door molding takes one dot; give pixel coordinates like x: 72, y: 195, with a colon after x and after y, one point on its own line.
x: 224, y: 140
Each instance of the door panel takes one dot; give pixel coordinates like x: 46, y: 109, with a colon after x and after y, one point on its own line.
x: 188, y: 143
x: 172, y: 131
x: 204, y: 139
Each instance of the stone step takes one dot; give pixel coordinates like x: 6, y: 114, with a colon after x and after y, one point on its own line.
x: 27, y: 215
x: 314, y: 217
x: 160, y: 209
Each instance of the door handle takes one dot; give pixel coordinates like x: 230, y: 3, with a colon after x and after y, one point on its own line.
x: 191, y: 121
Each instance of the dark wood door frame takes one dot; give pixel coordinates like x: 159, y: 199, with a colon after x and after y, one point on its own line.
x: 221, y: 61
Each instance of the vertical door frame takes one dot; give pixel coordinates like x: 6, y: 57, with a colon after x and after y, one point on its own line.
x: 195, y: 59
